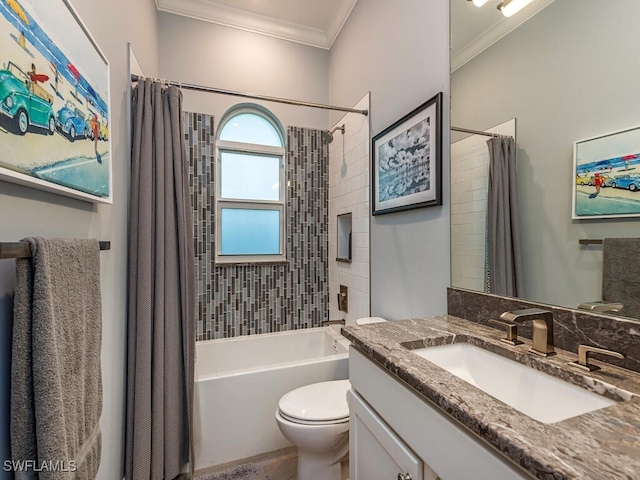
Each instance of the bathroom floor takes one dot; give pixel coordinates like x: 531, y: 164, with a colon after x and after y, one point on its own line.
x: 278, y: 465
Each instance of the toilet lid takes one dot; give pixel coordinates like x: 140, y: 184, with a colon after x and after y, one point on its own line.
x: 319, y: 402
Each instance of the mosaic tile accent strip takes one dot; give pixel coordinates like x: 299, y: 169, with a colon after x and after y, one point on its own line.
x: 248, y: 299
x: 199, y: 135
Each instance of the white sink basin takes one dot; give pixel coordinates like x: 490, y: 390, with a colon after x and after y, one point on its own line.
x: 536, y: 394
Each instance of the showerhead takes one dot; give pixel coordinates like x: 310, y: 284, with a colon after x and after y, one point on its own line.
x: 327, y: 135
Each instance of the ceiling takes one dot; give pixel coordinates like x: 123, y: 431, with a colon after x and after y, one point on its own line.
x: 311, y: 22
x: 474, y: 29
x: 318, y: 22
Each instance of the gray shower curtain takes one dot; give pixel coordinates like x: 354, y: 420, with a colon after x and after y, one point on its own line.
x: 503, y: 232
x: 161, y: 337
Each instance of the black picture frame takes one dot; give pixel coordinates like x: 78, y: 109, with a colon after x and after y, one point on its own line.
x: 406, y: 161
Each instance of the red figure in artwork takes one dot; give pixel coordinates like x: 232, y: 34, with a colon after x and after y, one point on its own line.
x: 598, y: 181
x: 95, y: 128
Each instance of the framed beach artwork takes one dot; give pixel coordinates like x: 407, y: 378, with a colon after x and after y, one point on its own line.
x: 606, y: 182
x: 406, y: 161
x: 54, y: 101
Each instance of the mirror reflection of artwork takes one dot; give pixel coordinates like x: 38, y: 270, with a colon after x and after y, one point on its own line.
x: 607, y: 176
x: 407, y: 160
x: 565, y: 80
x: 54, y: 101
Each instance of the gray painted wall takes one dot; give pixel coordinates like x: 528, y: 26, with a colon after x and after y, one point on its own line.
x: 204, y: 53
x: 567, y: 74
x: 400, y: 53
x: 25, y: 212
x: 410, y: 250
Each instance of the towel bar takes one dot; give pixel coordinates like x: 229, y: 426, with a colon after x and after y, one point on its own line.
x: 22, y: 249
x: 587, y: 241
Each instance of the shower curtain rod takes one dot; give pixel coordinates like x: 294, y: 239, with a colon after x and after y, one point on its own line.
x: 200, y: 88
x: 478, y: 132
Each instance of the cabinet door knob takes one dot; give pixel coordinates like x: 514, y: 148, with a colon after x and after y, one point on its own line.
x: 402, y: 476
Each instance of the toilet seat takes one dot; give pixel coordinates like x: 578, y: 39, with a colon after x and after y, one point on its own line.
x: 323, y: 403
x: 300, y: 421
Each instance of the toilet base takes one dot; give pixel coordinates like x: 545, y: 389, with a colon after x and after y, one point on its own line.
x: 323, y: 466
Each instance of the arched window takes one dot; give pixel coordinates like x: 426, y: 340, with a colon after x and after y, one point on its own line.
x: 250, y: 186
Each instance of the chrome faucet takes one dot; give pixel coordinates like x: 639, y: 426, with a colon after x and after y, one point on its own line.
x: 542, y: 328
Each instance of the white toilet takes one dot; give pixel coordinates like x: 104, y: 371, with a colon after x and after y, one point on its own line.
x: 315, y: 418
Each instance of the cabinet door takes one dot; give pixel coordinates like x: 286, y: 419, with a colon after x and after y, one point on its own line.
x: 376, y: 452
x: 448, y: 447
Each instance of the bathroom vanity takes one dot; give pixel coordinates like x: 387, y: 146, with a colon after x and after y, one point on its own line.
x: 395, y: 432
x: 411, y: 419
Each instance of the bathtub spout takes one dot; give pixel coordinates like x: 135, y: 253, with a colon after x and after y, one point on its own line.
x: 332, y: 322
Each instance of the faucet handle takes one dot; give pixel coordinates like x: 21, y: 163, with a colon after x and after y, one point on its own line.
x: 525, y: 314
x: 512, y: 332
x: 601, y: 306
x: 583, y: 357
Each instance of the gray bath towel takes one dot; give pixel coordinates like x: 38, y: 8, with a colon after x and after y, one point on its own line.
x: 56, y: 383
x: 250, y: 471
x: 620, y: 279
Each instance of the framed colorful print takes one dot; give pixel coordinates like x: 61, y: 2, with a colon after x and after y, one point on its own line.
x: 606, y: 169
x: 406, y: 170
x: 54, y: 101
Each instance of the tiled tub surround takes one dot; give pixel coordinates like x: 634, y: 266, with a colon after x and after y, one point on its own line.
x: 349, y: 193
x: 571, y: 327
x: 600, y: 445
x: 235, y: 300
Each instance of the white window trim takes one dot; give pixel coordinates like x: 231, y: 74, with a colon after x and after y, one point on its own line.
x: 220, y: 203
x: 254, y: 258
x: 249, y: 148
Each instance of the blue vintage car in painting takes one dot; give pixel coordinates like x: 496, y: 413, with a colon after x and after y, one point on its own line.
x: 71, y: 121
x: 24, y: 101
x: 630, y: 181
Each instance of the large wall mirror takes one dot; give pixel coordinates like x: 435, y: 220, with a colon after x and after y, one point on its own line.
x: 565, y: 70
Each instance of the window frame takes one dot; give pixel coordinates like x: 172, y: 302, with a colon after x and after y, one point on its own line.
x: 248, y: 204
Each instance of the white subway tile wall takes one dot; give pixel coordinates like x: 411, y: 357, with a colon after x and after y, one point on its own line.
x: 469, y: 190
x: 469, y: 177
x: 349, y: 193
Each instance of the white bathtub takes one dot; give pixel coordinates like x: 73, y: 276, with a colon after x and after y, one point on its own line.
x: 240, y: 380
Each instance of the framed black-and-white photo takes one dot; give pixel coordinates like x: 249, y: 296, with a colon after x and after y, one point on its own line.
x: 407, y: 161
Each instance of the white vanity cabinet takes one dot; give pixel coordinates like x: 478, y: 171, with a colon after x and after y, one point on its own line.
x: 376, y: 451
x: 395, y: 433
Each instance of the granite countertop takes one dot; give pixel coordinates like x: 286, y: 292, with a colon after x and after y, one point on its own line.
x: 600, y: 445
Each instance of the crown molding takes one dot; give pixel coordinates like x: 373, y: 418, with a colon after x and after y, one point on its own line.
x: 214, y: 12
x: 338, y: 20
x: 500, y: 29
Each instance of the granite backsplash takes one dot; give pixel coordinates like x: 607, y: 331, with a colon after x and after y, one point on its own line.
x: 571, y: 327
